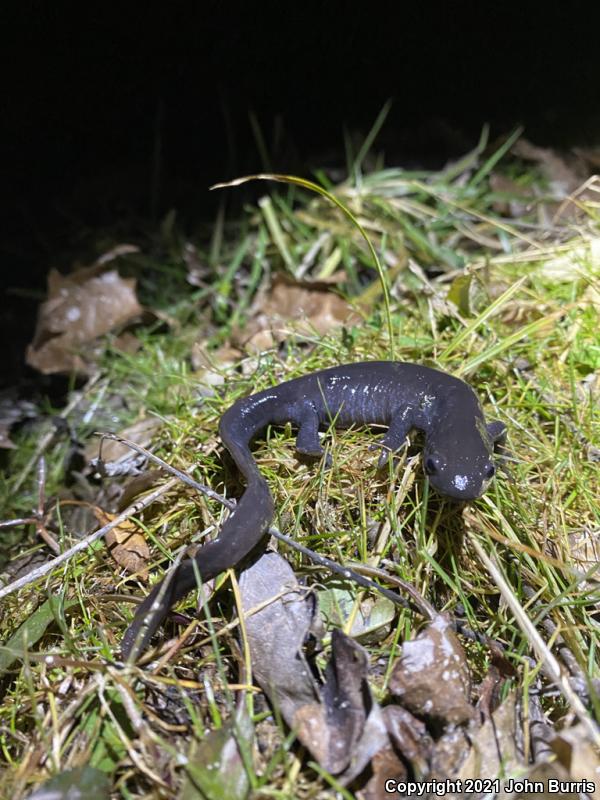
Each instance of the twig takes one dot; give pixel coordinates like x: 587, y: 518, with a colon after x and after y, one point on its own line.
x: 44, y: 569
x: 39, y: 516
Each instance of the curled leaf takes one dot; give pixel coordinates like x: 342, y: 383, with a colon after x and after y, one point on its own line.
x: 432, y: 678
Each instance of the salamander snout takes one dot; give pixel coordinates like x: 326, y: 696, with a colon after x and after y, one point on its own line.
x: 463, y: 479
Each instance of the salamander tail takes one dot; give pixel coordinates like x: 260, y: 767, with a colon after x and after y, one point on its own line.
x: 240, y: 533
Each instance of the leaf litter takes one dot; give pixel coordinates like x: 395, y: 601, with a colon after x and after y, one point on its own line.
x: 80, y: 308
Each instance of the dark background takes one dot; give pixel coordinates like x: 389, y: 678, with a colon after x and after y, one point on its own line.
x: 113, y: 114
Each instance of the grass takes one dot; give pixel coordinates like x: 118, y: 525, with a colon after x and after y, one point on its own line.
x: 525, y: 335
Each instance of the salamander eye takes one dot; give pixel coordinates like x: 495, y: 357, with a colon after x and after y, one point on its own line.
x: 490, y: 472
x: 430, y: 466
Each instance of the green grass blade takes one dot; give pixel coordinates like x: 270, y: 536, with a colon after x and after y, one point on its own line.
x: 505, y: 344
x: 371, y: 136
x: 478, y: 321
x: 489, y: 165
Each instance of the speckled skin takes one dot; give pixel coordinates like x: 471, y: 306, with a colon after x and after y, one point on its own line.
x: 457, y: 454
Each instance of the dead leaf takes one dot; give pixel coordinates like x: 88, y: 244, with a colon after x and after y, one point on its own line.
x: 494, y: 748
x: 113, y: 452
x: 564, y: 171
x: 386, y: 766
x: 372, y: 619
x: 584, y: 547
x: 126, y: 544
x: 215, y: 765
x: 127, y: 343
x: 575, y: 772
x: 289, y: 305
x: 451, y: 751
x: 277, y: 632
x: 432, y: 678
x: 357, y: 727
x: 208, y: 366
x: 410, y: 737
x: 577, y: 755
x: 80, y: 308
x: 518, y: 198
x: 198, y: 272
x: 338, y: 721
x: 126, y: 491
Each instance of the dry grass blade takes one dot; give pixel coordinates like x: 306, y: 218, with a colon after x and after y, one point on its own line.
x: 550, y: 665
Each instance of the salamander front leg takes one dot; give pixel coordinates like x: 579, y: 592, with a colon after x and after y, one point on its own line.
x: 497, y: 432
x: 394, y: 439
x: 307, y: 439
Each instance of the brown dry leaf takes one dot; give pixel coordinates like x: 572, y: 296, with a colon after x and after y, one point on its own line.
x: 432, y: 678
x: 584, y: 547
x: 306, y: 308
x: 577, y: 755
x: 494, y: 748
x: 564, y: 172
x: 356, y: 722
x: 141, y: 432
x: 450, y: 752
x: 338, y: 722
x: 409, y: 736
x: 199, y: 272
x: 386, y: 766
x: 574, y: 774
x: 80, y: 308
x: 205, y: 363
x: 126, y: 544
x: 520, y: 197
x: 127, y: 343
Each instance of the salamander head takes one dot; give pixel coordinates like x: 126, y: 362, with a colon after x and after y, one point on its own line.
x: 460, y: 467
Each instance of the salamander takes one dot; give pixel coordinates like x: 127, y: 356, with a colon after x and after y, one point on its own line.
x: 457, y: 454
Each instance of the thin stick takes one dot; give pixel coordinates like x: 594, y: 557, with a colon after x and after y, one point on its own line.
x: 44, y: 569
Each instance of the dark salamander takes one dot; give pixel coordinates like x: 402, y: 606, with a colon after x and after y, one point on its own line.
x: 457, y: 454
